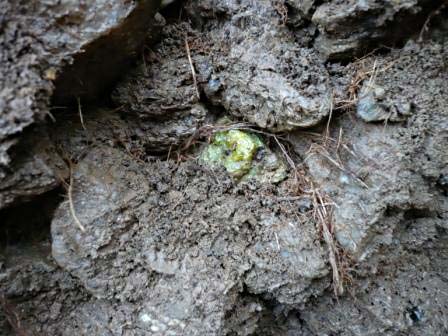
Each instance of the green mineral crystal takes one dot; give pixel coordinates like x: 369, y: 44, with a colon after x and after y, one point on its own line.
x: 244, y: 156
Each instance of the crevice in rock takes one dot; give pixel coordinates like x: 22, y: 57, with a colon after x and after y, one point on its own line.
x: 271, y: 319
x: 173, y: 10
x: 272, y: 323
x: 92, y: 73
x: 418, y: 213
x: 29, y: 223
x: 345, y: 37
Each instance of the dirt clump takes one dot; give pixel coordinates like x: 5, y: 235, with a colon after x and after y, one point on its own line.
x: 250, y: 65
x: 186, y: 268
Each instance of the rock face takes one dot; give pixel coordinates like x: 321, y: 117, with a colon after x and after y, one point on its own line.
x: 387, y: 180
x: 350, y: 28
x: 82, y: 49
x: 109, y: 35
x: 163, y: 97
x: 171, y: 246
x: 267, y: 78
x: 36, y: 169
x: 178, y: 247
x: 249, y: 64
x: 388, y: 167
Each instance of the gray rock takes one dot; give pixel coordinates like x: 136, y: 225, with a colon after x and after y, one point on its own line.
x: 82, y: 49
x: 404, y: 296
x: 268, y: 79
x: 174, y: 248
x: 162, y: 98
x: 249, y: 64
x: 350, y: 28
x: 36, y: 169
x: 388, y: 167
x: 373, y: 105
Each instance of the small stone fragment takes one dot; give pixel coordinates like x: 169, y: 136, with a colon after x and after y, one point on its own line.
x: 374, y: 105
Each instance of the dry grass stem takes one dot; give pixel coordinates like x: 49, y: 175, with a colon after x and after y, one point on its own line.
x: 80, y: 114
x: 70, y: 202
x: 288, y: 158
x: 324, y: 218
x: 330, y: 115
x: 193, y: 71
x: 358, y: 78
x: 53, y: 119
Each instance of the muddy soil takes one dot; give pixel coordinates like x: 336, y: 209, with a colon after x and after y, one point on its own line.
x: 111, y: 224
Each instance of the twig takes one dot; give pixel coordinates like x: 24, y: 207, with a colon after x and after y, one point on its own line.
x: 291, y: 198
x: 80, y: 114
x: 70, y: 201
x: 316, y: 149
x: 276, y: 239
x: 373, y: 75
x: 357, y: 79
x: 339, y: 140
x: 193, y: 71
x: 169, y: 153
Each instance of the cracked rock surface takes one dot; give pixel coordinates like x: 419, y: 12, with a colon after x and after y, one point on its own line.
x: 77, y: 48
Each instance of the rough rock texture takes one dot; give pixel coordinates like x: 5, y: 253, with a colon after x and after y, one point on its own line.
x: 163, y: 96
x: 268, y: 79
x: 109, y: 36
x: 83, y: 48
x: 172, y: 247
x: 185, y: 244
x: 50, y: 299
x: 388, y: 167
x: 388, y: 183
x: 407, y: 295
x: 247, y: 63
x: 36, y: 169
x: 350, y: 28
